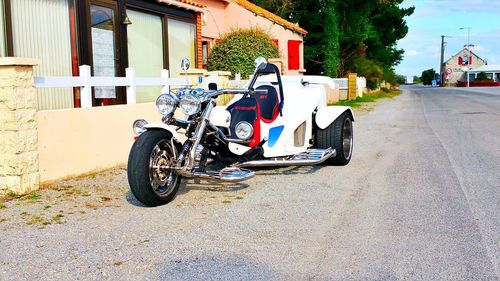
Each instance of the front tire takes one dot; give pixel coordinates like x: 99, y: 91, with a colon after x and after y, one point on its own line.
x: 338, y: 135
x: 149, y: 180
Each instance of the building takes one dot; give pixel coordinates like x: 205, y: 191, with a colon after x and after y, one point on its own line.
x: 108, y: 35
x: 456, y: 67
x: 491, y: 71
x: 224, y: 15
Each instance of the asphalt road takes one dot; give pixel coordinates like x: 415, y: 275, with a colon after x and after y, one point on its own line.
x: 419, y: 201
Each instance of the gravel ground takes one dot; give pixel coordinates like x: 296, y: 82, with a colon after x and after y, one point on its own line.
x: 413, y: 204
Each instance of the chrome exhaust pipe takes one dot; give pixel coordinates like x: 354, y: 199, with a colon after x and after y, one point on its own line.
x: 309, y: 158
x: 229, y: 174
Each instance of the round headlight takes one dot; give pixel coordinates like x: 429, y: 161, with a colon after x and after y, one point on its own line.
x: 166, y: 104
x: 243, y: 130
x: 190, y: 104
x: 138, y: 126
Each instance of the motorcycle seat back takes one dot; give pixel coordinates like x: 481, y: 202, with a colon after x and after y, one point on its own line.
x: 268, y: 103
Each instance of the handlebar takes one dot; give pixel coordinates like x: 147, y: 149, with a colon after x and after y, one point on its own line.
x: 214, y: 94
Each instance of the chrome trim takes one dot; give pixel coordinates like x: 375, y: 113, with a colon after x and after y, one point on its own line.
x: 311, y: 157
x: 228, y: 174
x: 198, y: 134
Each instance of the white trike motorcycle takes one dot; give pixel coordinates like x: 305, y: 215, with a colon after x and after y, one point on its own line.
x: 273, y: 122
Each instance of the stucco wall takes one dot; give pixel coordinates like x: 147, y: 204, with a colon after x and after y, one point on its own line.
x: 222, y: 17
x: 78, y: 141
x: 457, y: 72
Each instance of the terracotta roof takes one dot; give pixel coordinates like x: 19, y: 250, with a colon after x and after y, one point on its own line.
x: 270, y: 16
x: 190, y: 2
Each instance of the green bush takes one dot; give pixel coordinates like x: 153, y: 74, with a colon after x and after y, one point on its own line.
x: 239, y: 48
x: 482, y: 76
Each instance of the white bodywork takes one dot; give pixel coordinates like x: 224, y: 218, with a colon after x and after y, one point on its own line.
x: 301, y: 101
x: 163, y: 126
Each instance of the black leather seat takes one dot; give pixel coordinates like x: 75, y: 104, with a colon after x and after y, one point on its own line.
x: 268, y: 103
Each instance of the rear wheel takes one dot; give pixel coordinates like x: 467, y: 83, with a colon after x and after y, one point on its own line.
x: 338, y: 135
x: 150, y: 177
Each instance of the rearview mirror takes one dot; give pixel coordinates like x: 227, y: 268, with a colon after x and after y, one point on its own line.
x: 260, y: 63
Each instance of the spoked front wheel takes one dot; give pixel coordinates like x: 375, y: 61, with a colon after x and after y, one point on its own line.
x: 150, y: 176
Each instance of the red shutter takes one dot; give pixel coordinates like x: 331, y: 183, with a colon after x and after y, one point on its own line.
x: 276, y: 43
x: 293, y: 54
x: 470, y: 60
x: 460, y: 62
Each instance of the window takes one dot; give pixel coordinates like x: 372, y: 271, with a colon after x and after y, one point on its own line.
x: 145, y: 50
x: 497, y: 77
x: 3, y: 46
x: 472, y: 77
x: 204, y: 53
x: 181, y: 44
x: 102, y: 30
x: 293, y: 54
x: 45, y: 34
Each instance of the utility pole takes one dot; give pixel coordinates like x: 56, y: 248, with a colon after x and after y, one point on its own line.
x: 441, y: 65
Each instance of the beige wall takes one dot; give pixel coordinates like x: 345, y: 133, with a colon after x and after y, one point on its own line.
x: 78, y: 141
x: 222, y: 17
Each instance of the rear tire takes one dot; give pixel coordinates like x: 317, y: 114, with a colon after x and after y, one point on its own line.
x: 149, y: 184
x: 339, y: 136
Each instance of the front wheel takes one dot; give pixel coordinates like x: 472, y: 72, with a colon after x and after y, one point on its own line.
x: 338, y: 135
x: 151, y: 180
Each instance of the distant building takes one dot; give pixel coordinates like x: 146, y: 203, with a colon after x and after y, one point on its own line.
x: 455, y: 67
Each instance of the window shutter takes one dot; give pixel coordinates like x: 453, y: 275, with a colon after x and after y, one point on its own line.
x: 470, y: 60
x: 460, y: 62
x: 276, y: 43
x: 293, y: 54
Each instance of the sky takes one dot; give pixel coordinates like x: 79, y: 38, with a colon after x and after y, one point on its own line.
x: 433, y: 18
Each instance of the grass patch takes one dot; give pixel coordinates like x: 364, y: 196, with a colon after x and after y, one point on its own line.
x: 2, y: 206
x: 2, y: 220
x: 32, y: 198
x: 38, y: 220
x: 58, y: 218
x: 239, y: 197
x: 11, y: 194
x: 47, y: 207
x: 226, y: 201
x: 369, y: 98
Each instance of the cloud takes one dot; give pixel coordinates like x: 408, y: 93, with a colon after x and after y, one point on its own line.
x: 411, y: 53
x: 479, y: 48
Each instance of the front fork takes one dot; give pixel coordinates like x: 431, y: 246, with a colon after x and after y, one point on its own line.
x: 188, y: 152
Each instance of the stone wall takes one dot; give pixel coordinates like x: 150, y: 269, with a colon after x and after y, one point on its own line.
x: 18, y: 126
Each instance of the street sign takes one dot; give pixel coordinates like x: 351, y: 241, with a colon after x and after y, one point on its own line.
x: 434, y: 83
x: 449, y: 71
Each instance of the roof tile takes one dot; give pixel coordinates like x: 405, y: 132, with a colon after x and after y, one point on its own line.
x: 266, y: 14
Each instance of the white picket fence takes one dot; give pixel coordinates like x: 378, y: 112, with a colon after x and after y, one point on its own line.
x: 342, y: 82
x: 85, y: 82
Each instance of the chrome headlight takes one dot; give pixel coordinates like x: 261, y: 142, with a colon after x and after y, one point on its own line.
x: 138, y: 126
x: 166, y: 104
x: 190, y: 104
x: 244, y: 130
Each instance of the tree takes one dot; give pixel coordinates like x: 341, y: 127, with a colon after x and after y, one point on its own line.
x: 427, y: 76
x: 238, y: 49
x: 347, y: 35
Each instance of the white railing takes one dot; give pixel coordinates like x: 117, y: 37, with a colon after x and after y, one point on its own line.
x: 361, y: 82
x: 342, y: 82
x: 85, y: 82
